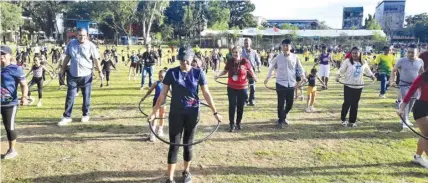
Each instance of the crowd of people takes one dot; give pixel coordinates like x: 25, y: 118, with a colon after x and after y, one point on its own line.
x: 80, y: 59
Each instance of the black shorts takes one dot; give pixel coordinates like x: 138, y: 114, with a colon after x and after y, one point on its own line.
x: 134, y: 65
x: 156, y: 99
x: 306, y: 59
x: 420, y: 109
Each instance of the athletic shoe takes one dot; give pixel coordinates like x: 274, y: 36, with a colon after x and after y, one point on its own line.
x: 344, y: 123
x: 312, y: 108
x: 421, y: 161
x: 169, y: 181
x: 405, y: 127
x: 252, y: 103
x: 10, y: 154
x: 77, y: 94
x: 101, y: 85
x: 353, y: 125
x: 286, y: 122
x: 408, y: 122
x: 30, y: 100
x: 84, y: 119
x: 308, y: 110
x: 39, y: 104
x: 64, y: 121
x: 187, y: 177
x: 238, y: 127
x: 152, y: 137
x: 382, y: 96
x: 231, y: 128
x: 160, y: 132
x: 107, y: 85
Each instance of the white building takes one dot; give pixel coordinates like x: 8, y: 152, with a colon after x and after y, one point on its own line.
x: 390, y: 14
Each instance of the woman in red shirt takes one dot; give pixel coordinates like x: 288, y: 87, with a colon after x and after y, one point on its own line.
x: 237, y: 69
x: 420, y: 114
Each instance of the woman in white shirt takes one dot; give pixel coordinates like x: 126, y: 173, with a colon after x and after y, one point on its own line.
x: 352, y: 71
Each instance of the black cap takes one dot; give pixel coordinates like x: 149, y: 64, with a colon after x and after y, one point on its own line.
x: 286, y: 41
x: 5, y: 49
x: 185, y: 53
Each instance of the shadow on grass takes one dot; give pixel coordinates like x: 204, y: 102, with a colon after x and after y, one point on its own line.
x: 158, y: 176
x: 251, y: 131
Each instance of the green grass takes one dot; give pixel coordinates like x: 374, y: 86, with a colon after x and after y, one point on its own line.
x: 314, y: 148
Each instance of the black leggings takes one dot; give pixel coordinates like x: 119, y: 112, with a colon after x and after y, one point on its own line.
x: 138, y: 68
x: 352, y: 97
x: 8, y: 113
x: 236, y: 101
x: 177, y: 124
x: 39, y: 82
x: 107, y: 75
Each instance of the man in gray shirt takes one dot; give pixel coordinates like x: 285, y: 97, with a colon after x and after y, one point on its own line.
x: 82, y: 54
x: 287, y: 64
x: 254, y: 59
x: 409, y: 68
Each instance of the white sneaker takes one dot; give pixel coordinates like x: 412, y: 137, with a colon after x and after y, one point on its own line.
x: 308, y: 110
x: 344, y: 123
x: 382, y: 96
x: 152, y: 137
x: 64, y: 121
x: 312, y: 108
x: 160, y: 132
x: 77, y: 94
x: 39, y: 104
x: 10, y: 154
x: 421, y: 161
x: 84, y: 119
x: 30, y: 100
x: 408, y: 122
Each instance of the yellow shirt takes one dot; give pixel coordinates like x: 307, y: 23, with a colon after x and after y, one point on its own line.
x: 385, y: 62
x: 306, y: 54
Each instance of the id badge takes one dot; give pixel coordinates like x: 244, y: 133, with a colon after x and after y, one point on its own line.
x: 235, y: 77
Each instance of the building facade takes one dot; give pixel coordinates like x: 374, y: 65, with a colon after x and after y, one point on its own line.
x: 390, y: 14
x: 302, y: 24
x: 352, y: 17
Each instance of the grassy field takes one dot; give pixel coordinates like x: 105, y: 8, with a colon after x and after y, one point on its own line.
x: 112, y: 147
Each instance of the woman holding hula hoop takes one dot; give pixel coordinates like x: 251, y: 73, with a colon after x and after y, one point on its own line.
x: 237, y: 69
x: 352, y: 71
x: 420, y: 114
x: 184, y: 109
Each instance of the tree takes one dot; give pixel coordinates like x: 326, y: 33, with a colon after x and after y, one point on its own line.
x: 10, y: 16
x: 289, y: 27
x: 323, y: 25
x: 218, y: 16
x: 119, y: 15
x: 370, y: 23
x: 44, y: 13
x: 148, y: 12
x: 418, y: 26
x: 240, y: 14
x: 167, y: 31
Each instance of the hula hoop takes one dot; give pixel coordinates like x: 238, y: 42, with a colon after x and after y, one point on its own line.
x: 272, y: 88
x: 413, y: 130
x: 177, y: 144
x: 347, y: 84
x: 141, y: 108
x: 227, y: 84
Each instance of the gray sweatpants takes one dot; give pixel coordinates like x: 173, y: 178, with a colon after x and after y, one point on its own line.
x: 403, y: 91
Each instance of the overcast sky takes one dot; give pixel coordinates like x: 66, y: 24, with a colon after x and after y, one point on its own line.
x: 324, y: 10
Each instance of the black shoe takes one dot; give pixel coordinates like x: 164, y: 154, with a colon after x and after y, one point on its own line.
x: 169, y: 181
x: 231, y: 128
x: 238, y: 127
x: 280, y: 126
x: 187, y: 177
x: 107, y: 84
x: 251, y: 104
x: 101, y: 85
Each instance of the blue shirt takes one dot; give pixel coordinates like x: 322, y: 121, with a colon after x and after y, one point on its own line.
x: 252, y: 56
x: 158, y: 89
x: 81, y: 56
x: 10, y: 77
x: 184, y: 86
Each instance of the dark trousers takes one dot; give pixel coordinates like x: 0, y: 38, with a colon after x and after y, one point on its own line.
x: 107, y: 75
x: 85, y: 83
x: 285, y: 101
x: 252, y: 86
x: 384, y: 78
x: 236, y: 101
x: 39, y: 82
x: 8, y: 114
x: 181, y: 124
x: 147, y: 70
x: 352, y: 97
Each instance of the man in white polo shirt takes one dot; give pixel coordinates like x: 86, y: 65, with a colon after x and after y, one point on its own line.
x: 287, y: 64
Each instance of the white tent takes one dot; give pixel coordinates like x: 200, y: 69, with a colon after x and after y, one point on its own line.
x: 300, y: 33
